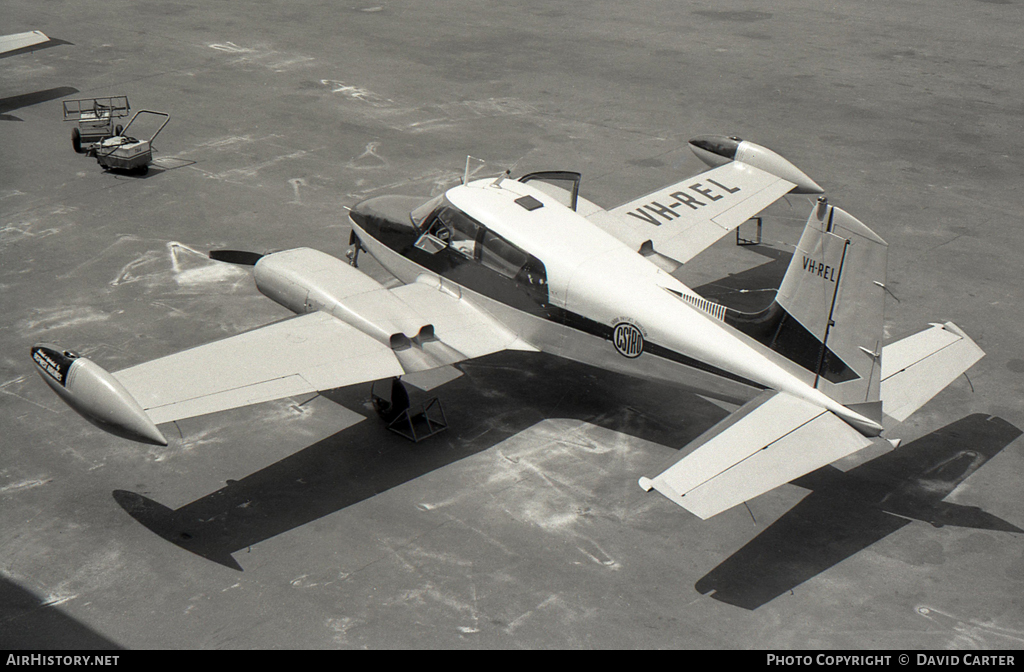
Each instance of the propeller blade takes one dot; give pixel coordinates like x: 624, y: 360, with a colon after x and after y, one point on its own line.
x: 236, y: 257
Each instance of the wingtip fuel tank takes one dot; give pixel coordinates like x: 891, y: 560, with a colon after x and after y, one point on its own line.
x: 94, y: 394
x: 716, y: 150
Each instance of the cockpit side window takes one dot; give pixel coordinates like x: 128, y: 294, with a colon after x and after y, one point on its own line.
x: 450, y: 227
x: 499, y: 255
x: 464, y: 231
x: 436, y: 236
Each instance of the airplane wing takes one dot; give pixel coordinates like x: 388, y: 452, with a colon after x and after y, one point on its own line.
x: 678, y: 222
x: 21, y: 40
x: 302, y: 354
x: 312, y: 352
x: 767, y: 442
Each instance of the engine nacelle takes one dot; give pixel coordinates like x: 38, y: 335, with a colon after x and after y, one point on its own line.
x: 303, y: 279
x: 94, y: 394
x: 716, y: 150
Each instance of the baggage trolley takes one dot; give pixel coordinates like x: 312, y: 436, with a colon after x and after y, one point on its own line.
x: 96, y: 119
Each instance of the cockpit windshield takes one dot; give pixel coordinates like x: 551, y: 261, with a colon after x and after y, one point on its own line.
x: 420, y: 214
x: 447, y: 226
x: 454, y: 240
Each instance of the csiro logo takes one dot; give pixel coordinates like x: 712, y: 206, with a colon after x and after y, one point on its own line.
x: 628, y: 340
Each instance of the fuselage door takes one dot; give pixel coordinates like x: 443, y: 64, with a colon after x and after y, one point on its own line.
x: 564, y: 185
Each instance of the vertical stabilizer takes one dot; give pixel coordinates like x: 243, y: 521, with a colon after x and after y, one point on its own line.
x: 835, y: 289
x: 828, y: 314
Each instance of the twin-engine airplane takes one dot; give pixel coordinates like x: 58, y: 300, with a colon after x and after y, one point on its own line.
x: 528, y: 264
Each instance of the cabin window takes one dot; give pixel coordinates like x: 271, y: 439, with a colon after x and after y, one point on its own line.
x: 499, y: 255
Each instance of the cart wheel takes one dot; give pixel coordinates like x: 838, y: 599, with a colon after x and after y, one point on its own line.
x: 143, y: 170
x: 76, y: 141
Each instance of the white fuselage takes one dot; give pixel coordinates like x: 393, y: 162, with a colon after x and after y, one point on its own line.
x: 635, y: 318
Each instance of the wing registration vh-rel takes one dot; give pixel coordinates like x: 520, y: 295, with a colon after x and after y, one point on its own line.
x: 528, y: 264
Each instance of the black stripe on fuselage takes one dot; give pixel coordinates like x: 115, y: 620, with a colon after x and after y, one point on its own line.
x: 528, y: 298
x: 594, y: 328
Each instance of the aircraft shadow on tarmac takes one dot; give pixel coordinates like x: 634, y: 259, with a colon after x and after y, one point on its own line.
x: 28, y: 623
x: 753, y: 289
x: 847, y: 512
x: 28, y: 99
x: 500, y: 396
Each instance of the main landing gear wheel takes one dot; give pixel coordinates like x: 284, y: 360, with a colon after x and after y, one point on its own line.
x: 389, y: 409
x: 413, y: 422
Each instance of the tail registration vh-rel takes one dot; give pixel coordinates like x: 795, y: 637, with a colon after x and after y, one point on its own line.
x: 528, y: 264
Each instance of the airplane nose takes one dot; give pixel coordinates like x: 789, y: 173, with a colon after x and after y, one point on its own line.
x: 385, y: 214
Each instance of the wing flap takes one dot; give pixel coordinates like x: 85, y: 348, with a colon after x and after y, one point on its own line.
x: 916, y: 368
x: 767, y: 442
x: 683, y: 219
x: 456, y: 323
x: 255, y: 393
x: 308, y: 353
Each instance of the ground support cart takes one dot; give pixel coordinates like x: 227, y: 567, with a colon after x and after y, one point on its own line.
x: 96, y: 118
x: 123, y: 152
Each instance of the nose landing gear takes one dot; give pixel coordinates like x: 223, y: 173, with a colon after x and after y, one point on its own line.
x: 353, y: 254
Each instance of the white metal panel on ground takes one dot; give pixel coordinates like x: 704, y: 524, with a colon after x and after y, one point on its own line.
x: 303, y: 354
x: 767, y: 442
x: 916, y: 368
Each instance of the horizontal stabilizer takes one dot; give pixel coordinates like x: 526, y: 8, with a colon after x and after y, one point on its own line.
x: 916, y: 368
x: 767, y: 442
